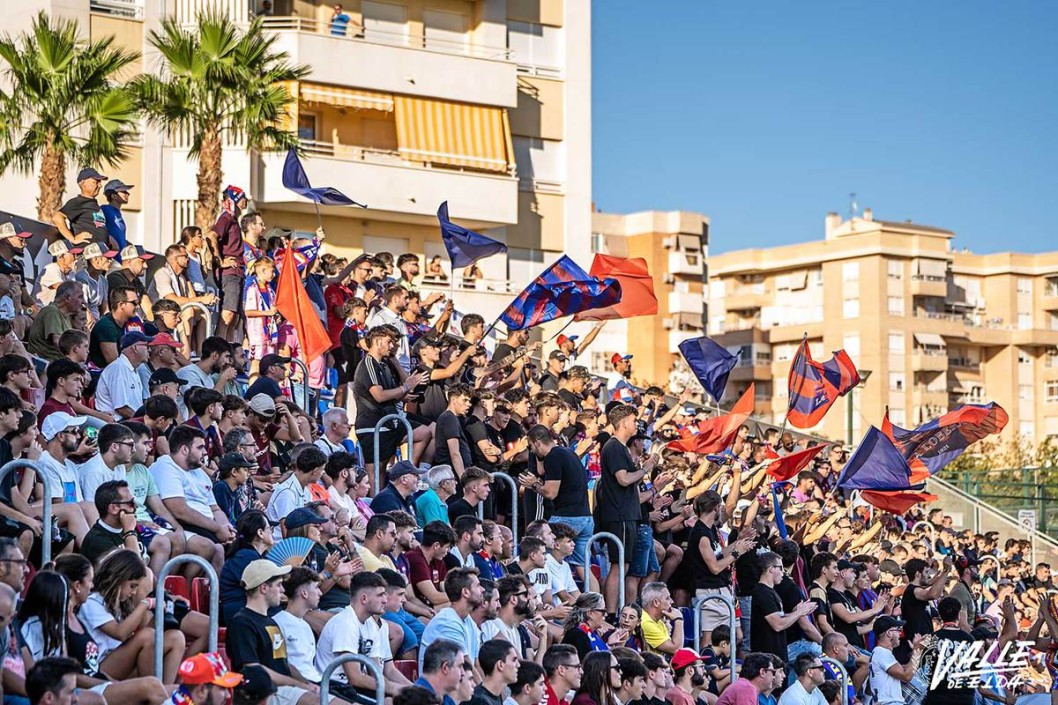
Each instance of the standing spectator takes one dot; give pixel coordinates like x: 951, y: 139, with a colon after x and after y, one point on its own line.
x: 755, y: 677
x: 225, y: 241
x: 395, y: 300
x: 886, y: 672
x: 116, y: 192
x: 769, y: 622
x: 923, y: 587
x: 199, y: 258
x: 966, y: 572
x: 556, y: 368
x: 339, y: 21
x: 55, y: 319
x: 662, y: 621
x: 262, y: 331
x: 802, y: 636
x: 464, y: 594
x: 94, y: 277
x: 476, y: 486
x: 120, y: 390
x: 133, y: 265
x: 86, y: 220
x: 63, y: 269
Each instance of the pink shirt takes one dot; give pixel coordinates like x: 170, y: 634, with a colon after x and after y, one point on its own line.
x: 741, y: 692
x: 677, y: 696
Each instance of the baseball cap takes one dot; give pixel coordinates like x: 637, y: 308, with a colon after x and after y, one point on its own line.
x: 557, y: 355
x: 617, y: 357
x: 845, y: 565
x: 962, y: 563
x: 207, y: 668
x: 9, y: 230
x: 302, y: 516
x: 271, y: 359
x: 256, y: 686
x: 133, y: 338
x: 96, y: 250
x: 134, y: 252
x: 260, y: 572
x: 116, y: 185
x: 165, y: 340
x: 163, y: 375
x: 404, y: 467
x: 885, y: 623
x: 563, y: 339
x: 59, y: 248
x: 90, y: 173
x: 264, y: 405
x: 57, y: 422
x: 235, y: 460
x: 684, y: 657
x: 427, y: 341
x: 235, y: 193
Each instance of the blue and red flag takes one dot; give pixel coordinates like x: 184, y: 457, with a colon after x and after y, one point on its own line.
x: 710, y: 362
x: 562, y: 271
x: 295, y: 179
x: 716, y: 434
x: 936, y: 443
x: 896, y: 502
x: 876, y: 464
x: 814, y: 386
x: 546, y: 302
x: 465, y: 247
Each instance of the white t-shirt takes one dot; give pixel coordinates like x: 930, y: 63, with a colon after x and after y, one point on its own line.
x: 342, y: 501
x: 346, y: 634
x: 496, y: 629
x: 539, y: 580
x: 119, y: 385
x: 560, y: 577
x: 286, y: 497
x: 93, y: 615
x: 193, y: 485
x: 94, y: 473
x: 301, y: 644
x: 886, y: 688
x: 7, y: 308
x: 62, y: 477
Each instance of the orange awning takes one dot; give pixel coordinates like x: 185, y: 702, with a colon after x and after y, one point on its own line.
x: 456, y: 134
x: 346, y: 97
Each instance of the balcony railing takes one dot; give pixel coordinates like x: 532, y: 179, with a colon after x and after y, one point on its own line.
x: 375, y: 36
x: 927, y: 278
x: 130, y: 9
x: 931, y: 352
x: 372, y: 155
x: 495, y: 286
x: 972, y: 321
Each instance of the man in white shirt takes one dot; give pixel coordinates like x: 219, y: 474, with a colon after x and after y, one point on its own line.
x: 336, y: 428
x: 302, y: 587
x: 120, y: 390
x: 187, y: 491
x: 293, y: 492
x: 470, y: 538
x: 63, y: 269
x: 115, y: 451
x: 358, y: 629
x: 62, y: 435
x: 886, y: 674
x: 563, y: 587
x: 514, y: 609
x: 94, y: 277
x: 395, y: 300
x: 805, y: 690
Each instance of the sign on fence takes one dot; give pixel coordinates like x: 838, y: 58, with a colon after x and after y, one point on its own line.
x: 1027, y: 520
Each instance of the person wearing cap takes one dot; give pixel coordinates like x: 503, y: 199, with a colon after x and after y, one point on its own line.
x: 86, y: 220
x: 887, y: 674
x: 966, y: 572
x: 161, y: 356
x: 120, y: 390
x: 556, y: 368
x: 133, y: 265
x: 434, y: 395
x: 266, y: 422
x: 849, y: 619
x: 172, y: 283
x: 116, y: 193
x: 273, y: 371
x: 204, y: 680
x: 688, y: 677
x: 397, y: 495
x: 621, y: 372
x: 97, y: 259
x: 230, y: 488
x: 62, y: 436
x: 294, y: 492
x: 59, y: 271
x: 256, y: 688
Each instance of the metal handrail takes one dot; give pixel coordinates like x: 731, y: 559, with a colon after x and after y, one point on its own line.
x: 45, y: 539
x: 620, y: 563
x: 207, y: 314
x: 514, y: 501
x: 989, y: 556
x: 159, y: 604
x: 844, y: 677
x: 306, y: 398
x: 732, y: 622
x: 376, y: 672
x: 375, y: 440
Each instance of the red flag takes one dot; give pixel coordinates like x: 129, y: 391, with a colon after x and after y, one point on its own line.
x: 896, y: 502
x: 815, y: 386
x: 637, y: 288
x: 788, y: 466
x: 716, y: 434
x: 292, y: 301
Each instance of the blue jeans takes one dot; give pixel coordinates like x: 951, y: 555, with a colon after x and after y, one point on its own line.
x: 585, y: 527
x: 644, y: 559
x: 745, y: 605
x: 407, y: 623
x: 802, y: 646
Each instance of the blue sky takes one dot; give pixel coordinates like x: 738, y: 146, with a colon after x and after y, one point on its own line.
x: 765, y: 115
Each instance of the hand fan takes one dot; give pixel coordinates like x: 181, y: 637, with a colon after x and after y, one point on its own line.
x: 292, y: 551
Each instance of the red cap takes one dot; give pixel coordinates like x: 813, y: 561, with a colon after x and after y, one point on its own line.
x: 208, y: 668
x: 617, y: 357
x: 164, y: 339
x: 684, y: 657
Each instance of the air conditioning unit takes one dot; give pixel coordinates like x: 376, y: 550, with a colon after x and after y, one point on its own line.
x: 668, y: 323
x: 669, y: 242
x: 668, y: 278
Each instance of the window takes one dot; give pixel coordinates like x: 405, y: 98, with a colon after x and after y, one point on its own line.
x: 850, y: 271
x: 1027, y: 429
x: 897, y: 417
x: 1050, y: 392
x: 784, y: 353
x: 1024, y: 358
x: 851, y: 345
x: 445, y: 31
x: 896, y: 381
x: 850, y: 308
x: 307, y: 126
x: 816, y: 277
x: 384, y: 23
x: 896, y: 343
x: 896, y: 305
x: 536, y: 46
x: 1025, y: 392
x: 895, y: 268
x: 598, y: 242
x: 1024, y: 285
x: 1024, y: 321
x: 540, y: 160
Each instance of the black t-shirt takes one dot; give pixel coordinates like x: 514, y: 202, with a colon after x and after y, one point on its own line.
x: 548, y: 382
x: 563, y: 465
x: 613, y: 501
x: 85, y: 215
x: 123, y: 277
x: 449, y: 426
x: 916, y: 613
x: 747, y: 567
x: 352, y: 353
x: 370, y: 373
x: 570, y: 398
x: 255, y: 638
x: 476, y: 431
x: 458, y: 507
x: 502, y: 351
x: 791, y: 596
x: 703, y: 577
x: 762, y: 637
x: 818, y: 594
x: 434, y: 397
x: 840, y: 597
x: 264, y: 385
x: 941, y: 694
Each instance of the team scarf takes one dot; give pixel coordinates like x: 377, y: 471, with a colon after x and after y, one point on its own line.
x: 597, y: 644
x: 267, y: 301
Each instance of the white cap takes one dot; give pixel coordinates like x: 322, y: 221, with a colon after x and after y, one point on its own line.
x: 58, y: 422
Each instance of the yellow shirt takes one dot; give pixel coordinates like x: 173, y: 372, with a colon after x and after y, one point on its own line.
x: 655, y: 633
x: 372, y: 562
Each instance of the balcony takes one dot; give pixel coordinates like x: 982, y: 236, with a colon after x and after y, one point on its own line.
x: 399, y: 62
x: 686, y: 263
x: 686, y: 302
x: 746, y: 298
x: 928, y: 285
x: 394, y: 187
x: 759, y: 371
x: 964, y: 365
x: 488, y: 297
x: 1035, y: 336
x: 1049, y: 300
x: 923, y: 360
x: 127, y: 9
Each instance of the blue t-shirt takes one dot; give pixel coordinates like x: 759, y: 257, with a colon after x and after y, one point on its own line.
x: 264, y: 385
x: 115, y: 225
x: 338, y: 24
x: 423, y: 683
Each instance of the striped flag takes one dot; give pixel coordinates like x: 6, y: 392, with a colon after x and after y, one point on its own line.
x: 563, y: 271
x: 815, y: 386
x: 936, y: 443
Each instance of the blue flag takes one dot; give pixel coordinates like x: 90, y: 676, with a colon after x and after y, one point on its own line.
x: 780, y: 523
x: 710, y: 362
x: 541, y: 302
x: 296, y: 180
x: 876, y: 465
x: 465, y: 247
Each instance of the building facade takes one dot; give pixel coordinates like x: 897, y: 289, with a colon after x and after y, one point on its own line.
x: 481, y: 103
x: 933, y: 327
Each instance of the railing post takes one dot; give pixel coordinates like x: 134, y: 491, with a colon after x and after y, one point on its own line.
x: 376, y: 672
x: 205, y: 312
x: 844, y: 677
x: 159, y: 604
x: 46, y: 535
x: 514, y: 501
x: 306, y: 398
x: 378, y: 426
x: 732, y: 623
x: 989, y: 556
x: 620, y: 561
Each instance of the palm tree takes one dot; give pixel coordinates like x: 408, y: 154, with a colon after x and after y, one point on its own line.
x: 216, y: 81
x: 64, y: 105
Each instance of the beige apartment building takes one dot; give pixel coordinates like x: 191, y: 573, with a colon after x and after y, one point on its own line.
x: 934, y: 327
x: 482, y: 103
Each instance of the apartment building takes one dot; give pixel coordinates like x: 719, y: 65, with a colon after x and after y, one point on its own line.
x: 675, y: 245
x: 933, y: 327
x: 481, y: 103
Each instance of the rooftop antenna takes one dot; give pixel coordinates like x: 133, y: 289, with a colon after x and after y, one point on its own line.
x: 854, y: 208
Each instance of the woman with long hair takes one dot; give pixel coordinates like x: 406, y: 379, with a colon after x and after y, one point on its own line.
x: 50, y: 627
x: 584, y: 623
x: 630, y: 621
x: 253, y: 538
x: 601, y: 680
x: 118, y: 613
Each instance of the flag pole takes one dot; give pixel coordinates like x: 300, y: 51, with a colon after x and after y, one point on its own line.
x: 319, y: 217
x: 568, y: 324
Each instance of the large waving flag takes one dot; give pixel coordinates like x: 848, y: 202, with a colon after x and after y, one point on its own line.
x: 710, y: 362
x: 637, y: 288
x: 716, y: 434
x: 293, y: 302
x: 787, y: 466
x: 465, y: 247
x: 546, y: 302
x: 296, y: 180
x: 814, y: 386
x: 876, y: 464
x: 936, y: 443
x: 564, y: 270
x: 896, y: 502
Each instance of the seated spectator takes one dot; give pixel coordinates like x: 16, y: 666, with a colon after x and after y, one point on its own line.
x: 336, y: 428
x: 161, y: 355
x: 499, y: 665
x: 274, y: 372
x: 600, y: 680
x: 302, y: 589
x: 657, y: 680
x: 476, y: 485
x: 380, y: 535
x: 116, y: 527
x: 582, y: 625
x: 62, y: 436
x: 106, y: 333
x: 411, y: 628
x: 426, y: 566
x: 133, y: 265
x: 396, y: 496
x: 805, y: 689
x: 253, y: 538
x: 432, y: 505
x: 206, y: 411
x: 120, y: 392
x: 716, y: 659
x: 755, y: 677
x: 633, y: 679
x: 563, y: 588
x: 470, y: 539
x: 115, y: 443
x: 528, y: 687
x: 562, y: 671
x: 230, y: 490
x: 294, y: 492
x: 464, y: 593
x: 55, y: 319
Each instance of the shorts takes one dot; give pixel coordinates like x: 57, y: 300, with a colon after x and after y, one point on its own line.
x: 644, y: 558
x: 287, y: 695
x: 231, y: 286
x: 714, y: 612
x: 341, y: 367
x: 388, y: 442
x: 351, y: 694
x: 626, y: 531
x: 201, y: 532
x: 9, y: 528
